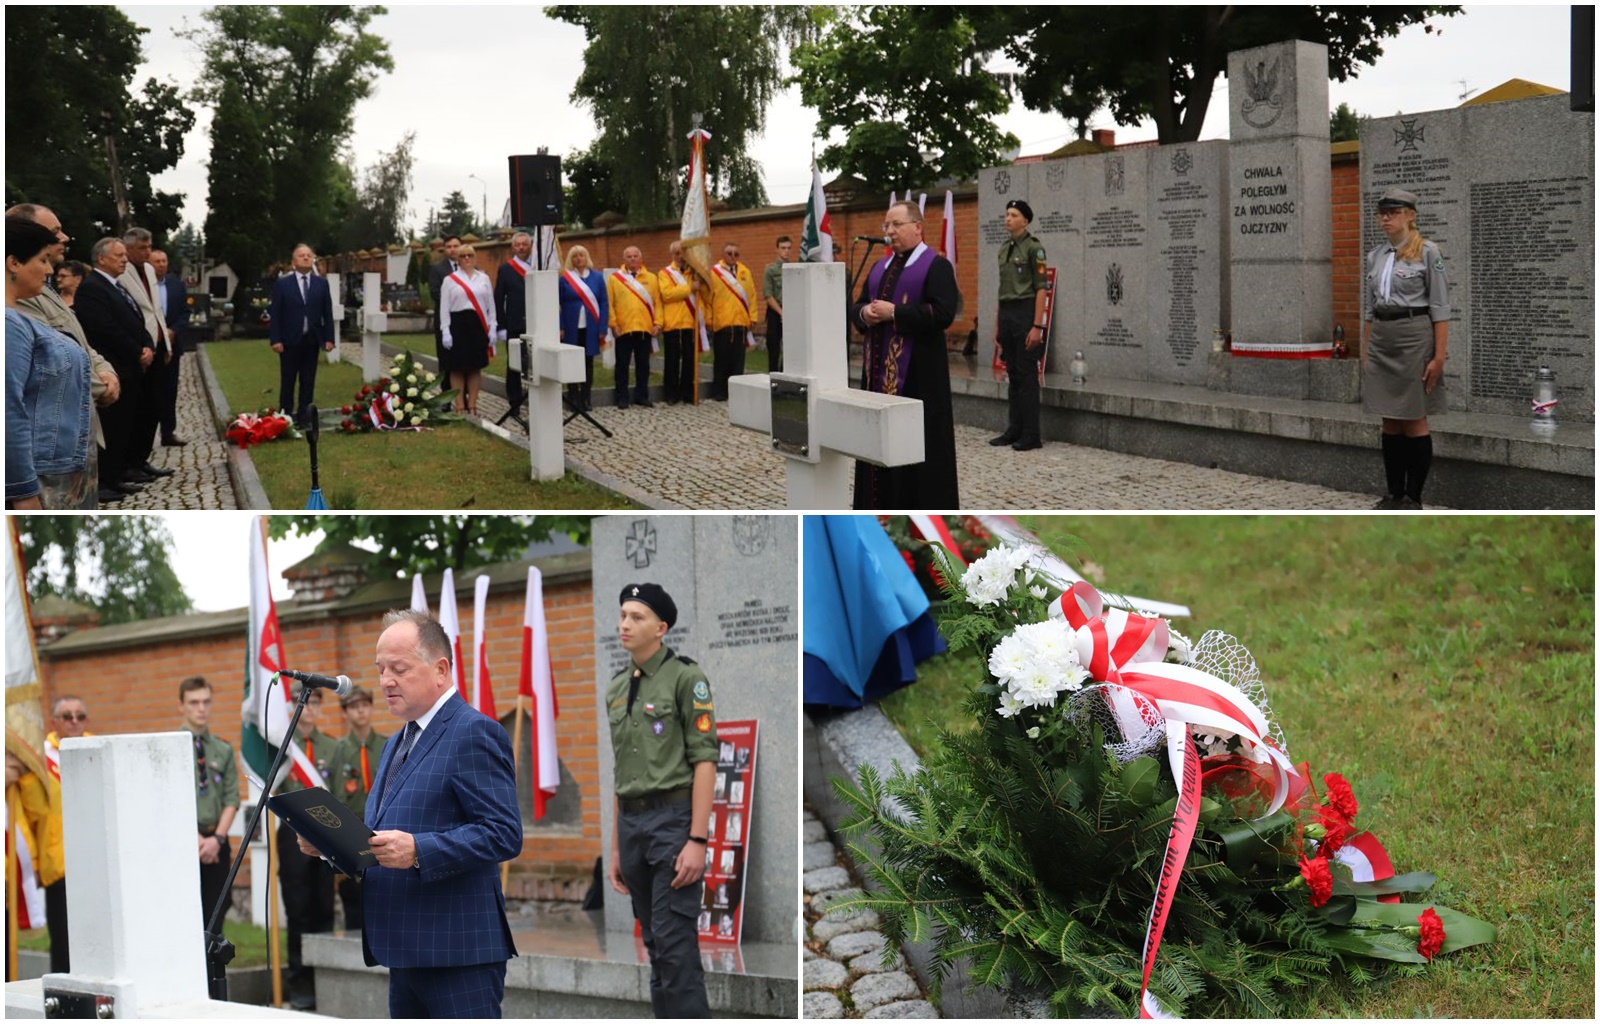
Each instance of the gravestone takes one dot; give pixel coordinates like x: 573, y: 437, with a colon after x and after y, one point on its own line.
x: 735, y: 581
x: 1280, y: 178
x: 1507, y: 191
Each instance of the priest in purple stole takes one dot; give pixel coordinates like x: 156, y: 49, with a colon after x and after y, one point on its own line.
x: 906, y: 303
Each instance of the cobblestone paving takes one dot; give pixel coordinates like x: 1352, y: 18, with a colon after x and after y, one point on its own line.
x: 200, y: 469
x: 844, y: 975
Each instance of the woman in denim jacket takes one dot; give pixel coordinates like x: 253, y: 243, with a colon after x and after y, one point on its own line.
x: 47, y: 389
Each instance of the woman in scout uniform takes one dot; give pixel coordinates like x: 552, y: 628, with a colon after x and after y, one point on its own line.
x: 664, y: 736
x: 467, y: 327
x: 1402, y: 363
x: 351, y: 771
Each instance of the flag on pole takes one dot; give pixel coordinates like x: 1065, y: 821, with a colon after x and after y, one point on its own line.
x: 892, y: 200
x: 266, y: 706
x: 419, y: 596
x: 452, y: 629
x: 25, y: 734
x: 947, y: 230
x: 695, y: 230
x: 538, y: 683
x: 816, y: 234
x: 482, y: 690
x: 922, y: 201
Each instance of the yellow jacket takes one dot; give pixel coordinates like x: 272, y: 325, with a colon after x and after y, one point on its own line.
x: 675, y: 312
x: 37, y: 821
x: 727, y: 308
x: 629, y: 314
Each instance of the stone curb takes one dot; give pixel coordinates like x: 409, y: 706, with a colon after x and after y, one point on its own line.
x: 247, y: 489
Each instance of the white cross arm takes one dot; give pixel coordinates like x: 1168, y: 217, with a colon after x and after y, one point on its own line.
x: 885, y: 430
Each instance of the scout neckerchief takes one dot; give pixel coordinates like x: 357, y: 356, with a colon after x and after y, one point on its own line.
x: 694, y: 307
x: 472, y: 299
x: 585, y: 296
x: 886, y: 359
x: 1386, y: 284
x: 366, y: 771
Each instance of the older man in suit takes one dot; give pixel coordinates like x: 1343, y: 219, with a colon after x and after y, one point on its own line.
x: 172, y: 298
x: 140, y: 281
x: 115, y: 328
x: 300, y: 326
x: 444, y: 816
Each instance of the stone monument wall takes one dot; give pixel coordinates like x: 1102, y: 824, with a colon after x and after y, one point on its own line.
x: 1507, y: 191
x: 735, y: 580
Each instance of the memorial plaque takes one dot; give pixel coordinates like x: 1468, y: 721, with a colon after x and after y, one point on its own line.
x: 1189, y: 239
x: 996, y: 187
x: 1117, y: 257
x: 1507, y: 191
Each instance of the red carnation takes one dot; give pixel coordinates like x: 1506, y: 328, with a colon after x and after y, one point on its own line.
x: 1432, y: 933
x: 1340, y: 796
x: 1318, y: 879
x: 1335, y: 830
x: 345, y: 409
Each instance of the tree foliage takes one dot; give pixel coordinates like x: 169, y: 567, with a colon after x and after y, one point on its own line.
x: 591, y: 188
x: 429, y: 544
x: 647, y: 69
x: 69, y: 86
x: 455, y: 216
x: 380, y: 206
x: 1344, y: 124
x: 910, y: 90
x: 118, y: 565
x: 285, y: 81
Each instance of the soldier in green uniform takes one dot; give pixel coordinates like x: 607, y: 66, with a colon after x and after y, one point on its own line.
x: 664, y: 735
x: 307, y: 882
x: 1022, y: 299
x: 216, y: 791
x: 351, y: 770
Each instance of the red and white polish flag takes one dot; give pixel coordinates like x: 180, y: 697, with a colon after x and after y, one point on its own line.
x: 482, y: 689
x: 452, y: 629
x: 538, y: 684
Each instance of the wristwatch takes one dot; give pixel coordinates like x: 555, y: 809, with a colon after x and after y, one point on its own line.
x: 698, y: 839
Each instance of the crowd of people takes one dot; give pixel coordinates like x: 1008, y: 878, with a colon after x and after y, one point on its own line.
x: 92, y: 356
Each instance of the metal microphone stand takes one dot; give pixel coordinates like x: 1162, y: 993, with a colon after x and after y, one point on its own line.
x: 219, y: 951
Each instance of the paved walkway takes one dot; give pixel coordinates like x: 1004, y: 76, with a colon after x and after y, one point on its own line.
x: 844, y: 974
x: 200, y: 469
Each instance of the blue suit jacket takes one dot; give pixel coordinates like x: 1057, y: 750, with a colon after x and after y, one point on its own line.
x: 177, y: 311
x: 457, y: 795
x: 571, y: 304
x: 287, y: 311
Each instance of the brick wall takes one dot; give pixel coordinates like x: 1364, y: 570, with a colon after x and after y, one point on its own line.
x: 1347, y: 219
x: 134, y: 688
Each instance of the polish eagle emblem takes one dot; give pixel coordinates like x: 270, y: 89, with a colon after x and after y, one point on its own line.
x: 1263, y: 101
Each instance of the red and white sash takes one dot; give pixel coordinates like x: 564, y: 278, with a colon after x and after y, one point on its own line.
x: 637, y: 288
x: 465, y: 287
x: 694, y: 307
x: 585, y: 296
x: 731, y: 283
x: 519, y: 266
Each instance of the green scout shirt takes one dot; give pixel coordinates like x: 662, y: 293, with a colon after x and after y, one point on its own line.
x: 772, y: 281
x: 220, y: 787
x: 1021, y: 267
x: 319, y: 747
x: 672, y: 728
x: 345, y: 779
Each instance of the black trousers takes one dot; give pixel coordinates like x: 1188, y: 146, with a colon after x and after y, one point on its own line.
x: 1022, y: 369
x: 116, y: 422
x: 298, y: 364
x: 350, y: 897
x: 307, y: 885
x: 146, y: 415
x: 649, y: 842
x: 169, y: 393
x: 727, y: 359
x: 774, y: 341
x: 633, y: 348
x: 55, y: 915
x: 212, y: 878
x: 681, y: 355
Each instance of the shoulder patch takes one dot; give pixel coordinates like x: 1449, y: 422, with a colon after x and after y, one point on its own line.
x: 1438, y: 263
x: 703, y: 723
x: 702, y: 690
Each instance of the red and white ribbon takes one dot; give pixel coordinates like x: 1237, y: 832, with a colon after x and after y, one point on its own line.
x: 1368, y: 861
x: 1124, y: 652
x: 932, y: 528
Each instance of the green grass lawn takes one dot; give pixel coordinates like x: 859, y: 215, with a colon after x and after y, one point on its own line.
x: 454, y: 466
x: 250, y: 943
x: 755, y: 360
x: 1445, y: 666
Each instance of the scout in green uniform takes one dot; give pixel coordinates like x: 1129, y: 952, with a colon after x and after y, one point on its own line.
x: 664, y: 735
x: 216, y: 791
x: 772, y: 292
x: 351, y: 771
x: 1021, y: 322
x: 307, y: 882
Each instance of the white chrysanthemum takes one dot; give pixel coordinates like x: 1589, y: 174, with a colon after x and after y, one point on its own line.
x: 411, y: 378
x: 1178, y: 645
x: 394, y: 389
x: 1033, y: 733
x: 408, y: 407
x: 1038, y: 591
x: 411, y: 392
x: 430, y: 377
x: 1036, y: 662
x: 988, y: 580
x: 1009, y: 705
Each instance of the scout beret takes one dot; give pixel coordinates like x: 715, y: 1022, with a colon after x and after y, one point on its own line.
x: 653, y: 597
x: 1396, y: 198
x: 359, y: 693
x: 1021, y: 207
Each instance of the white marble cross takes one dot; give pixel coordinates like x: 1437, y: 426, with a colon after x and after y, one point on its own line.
x: 551, y: 366
x: 374, y: 321
x: 816, y: 420
x: 334, y: 283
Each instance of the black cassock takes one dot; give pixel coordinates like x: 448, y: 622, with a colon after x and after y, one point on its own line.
x: 921, y: 321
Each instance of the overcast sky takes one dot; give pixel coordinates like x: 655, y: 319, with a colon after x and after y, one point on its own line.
x: 456, y: 69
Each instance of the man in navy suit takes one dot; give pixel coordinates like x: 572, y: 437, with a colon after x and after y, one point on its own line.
x: 300, y: 324
x: 173, y: 301
x: 444, y: 815
x: 115, y: 328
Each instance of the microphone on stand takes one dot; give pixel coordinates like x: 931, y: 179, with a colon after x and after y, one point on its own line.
x: 879, y: 239
x: 340, y: 685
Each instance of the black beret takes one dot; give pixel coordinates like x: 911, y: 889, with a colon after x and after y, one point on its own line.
x: 1021, y: 207
x: 653, y: 597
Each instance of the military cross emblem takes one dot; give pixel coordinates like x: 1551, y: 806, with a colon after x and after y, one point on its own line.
x: 641, y: 543
x: 1002, y: 183
x: 1408, y: 135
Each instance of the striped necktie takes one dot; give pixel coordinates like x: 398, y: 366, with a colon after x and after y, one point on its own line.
x: 401, y: 752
